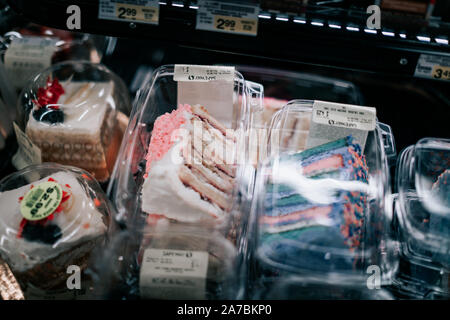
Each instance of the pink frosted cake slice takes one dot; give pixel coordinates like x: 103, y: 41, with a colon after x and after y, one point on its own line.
x: 190, y: 167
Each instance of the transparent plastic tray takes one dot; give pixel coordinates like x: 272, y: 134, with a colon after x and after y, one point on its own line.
x: 70, y: 111
x: 422, y: 209
x: 54, y: 219
x: 340, y: 224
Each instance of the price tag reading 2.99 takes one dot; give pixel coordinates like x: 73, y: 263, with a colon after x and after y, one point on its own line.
x: 234, y: 24
x: 136, y: 13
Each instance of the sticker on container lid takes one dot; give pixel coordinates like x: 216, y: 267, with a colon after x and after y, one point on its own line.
x: 41, y: 201
x: 141, y: 11
x: 27, y: 56
x: 28, y: 152
x: 239, y: 17
x: 173, y: 274
x: 433, y: 67
x: 197, y: 85
x: 199, y: 73
x: 331, y: 121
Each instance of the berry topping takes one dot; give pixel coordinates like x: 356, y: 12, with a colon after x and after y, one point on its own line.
x: 47, y: 98
x: 48, y: 234
x: 46, y: 114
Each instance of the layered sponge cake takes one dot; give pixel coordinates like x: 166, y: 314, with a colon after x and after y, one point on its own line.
x: 190, y: 168
x: 74, y: 123
x: 38, y: 249
x: 315, y: 200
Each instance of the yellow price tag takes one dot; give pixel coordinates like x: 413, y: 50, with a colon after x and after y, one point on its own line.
x: 137, y: 13
x: 440, y: 72
x: 234, y: 24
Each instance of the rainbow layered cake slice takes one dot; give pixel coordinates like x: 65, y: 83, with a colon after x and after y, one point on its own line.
x: 190, y: 169
x: 314, y: 207
x: 74, y: 123
x: 47, y: 226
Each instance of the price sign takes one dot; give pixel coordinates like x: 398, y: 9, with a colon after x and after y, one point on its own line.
x: 142, y: 11
x: 435, y: 67
x: 240, y: 17
x: 442, y: 73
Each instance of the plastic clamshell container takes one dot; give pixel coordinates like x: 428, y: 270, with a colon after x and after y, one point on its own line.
x: 307, y: 219
x: 156, y: 98
x: 54, y: 218
x: 172, y: 262
x: 422, y: 210
x: 70, y: 111
x: 281, y: 86
x: 310, y: 288
x: 66, y: 45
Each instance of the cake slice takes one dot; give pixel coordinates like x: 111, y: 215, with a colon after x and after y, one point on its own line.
x: 317, y: 197
x: 39, y: 251
x: 190, y: 169
x: 75, y: 123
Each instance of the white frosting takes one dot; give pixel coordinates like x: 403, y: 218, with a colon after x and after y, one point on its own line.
x: 84, y: 110
x: 81, y: 223
x: 164, y: 193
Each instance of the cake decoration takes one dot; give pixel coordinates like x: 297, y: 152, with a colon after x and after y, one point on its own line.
x: 295, y: 217
x: 65, y: 235
x: 190, y: 168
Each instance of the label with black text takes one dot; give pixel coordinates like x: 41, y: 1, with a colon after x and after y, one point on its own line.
x: 141, y: 11
x: 332, y: 121
x: 27, y: 56
x: 433, y: 67
x: 173, y: 274
x: 240, y: 17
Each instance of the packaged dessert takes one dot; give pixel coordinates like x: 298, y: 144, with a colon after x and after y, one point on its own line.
x: 54, y: 219
x: 69, y: 111
x: 169, y: 262
x: 321, y: 213
x: 422, y: 211
x: 179, y: 178
x: 33, y: 48
x: 182, y: 151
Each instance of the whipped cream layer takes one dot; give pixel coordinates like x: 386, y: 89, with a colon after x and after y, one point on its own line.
x: 80, y: 222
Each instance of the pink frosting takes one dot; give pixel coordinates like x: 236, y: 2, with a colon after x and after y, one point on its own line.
x: 163, y: 128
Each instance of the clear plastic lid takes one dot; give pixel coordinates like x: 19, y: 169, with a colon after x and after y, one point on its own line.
x: 423, y: 205
x: 35, y: 47
x: 323, y: 210
x: 166, y: 157
x: 53, y: 218
x: 70, y: 112
x: 281, y: 86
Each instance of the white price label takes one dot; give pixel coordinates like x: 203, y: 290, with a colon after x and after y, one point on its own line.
x: 173, y: 274
x: 27, y: 56
x: 239, y: 17
x: 142, y: 11
x: 344, y: 115
x: 433, y: 67
x: 185, y: 72
x: 28, y: 152
x: 331, y: 121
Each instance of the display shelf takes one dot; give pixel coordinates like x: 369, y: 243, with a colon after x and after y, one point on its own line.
x: 319, y: 36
